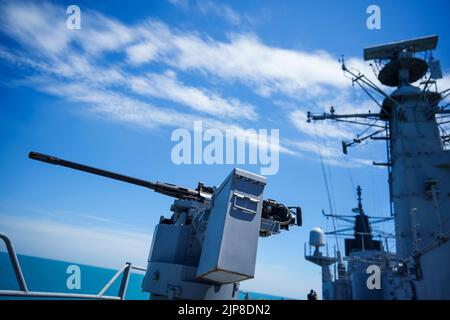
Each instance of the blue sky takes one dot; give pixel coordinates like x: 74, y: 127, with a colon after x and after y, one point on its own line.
x: 111, y: 94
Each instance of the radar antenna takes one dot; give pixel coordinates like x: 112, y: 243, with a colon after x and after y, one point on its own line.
x: 398, y: 67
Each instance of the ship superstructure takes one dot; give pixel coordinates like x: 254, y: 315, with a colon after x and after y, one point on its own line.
x: 412, y: 121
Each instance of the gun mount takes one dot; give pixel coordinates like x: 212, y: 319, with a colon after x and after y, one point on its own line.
x: 209, y: 243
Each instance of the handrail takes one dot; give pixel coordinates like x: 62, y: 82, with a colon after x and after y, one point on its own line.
x: 24, y: 292
x: 15, y: 262
x: 113, y: 279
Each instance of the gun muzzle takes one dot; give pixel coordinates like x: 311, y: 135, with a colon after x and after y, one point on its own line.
x: 43, y: 157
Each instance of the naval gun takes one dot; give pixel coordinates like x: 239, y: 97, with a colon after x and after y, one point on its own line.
x: 209, y: 243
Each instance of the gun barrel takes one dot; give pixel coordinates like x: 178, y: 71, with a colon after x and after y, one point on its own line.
x: 81, y: 167
x: 164, y: 188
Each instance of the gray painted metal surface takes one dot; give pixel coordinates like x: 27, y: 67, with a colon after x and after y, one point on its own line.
x: 206, y: 249
x: 419, y: 177
x: 231, y: 240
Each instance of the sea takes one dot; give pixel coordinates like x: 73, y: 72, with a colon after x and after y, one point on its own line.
x: 47, y: 275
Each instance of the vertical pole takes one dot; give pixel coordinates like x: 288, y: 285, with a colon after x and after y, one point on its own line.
x: 389, y: 167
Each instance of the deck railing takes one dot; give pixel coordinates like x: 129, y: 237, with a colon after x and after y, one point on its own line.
x: 23, y: 291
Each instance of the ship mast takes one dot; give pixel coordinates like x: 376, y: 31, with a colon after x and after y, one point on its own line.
x: 417, y: 160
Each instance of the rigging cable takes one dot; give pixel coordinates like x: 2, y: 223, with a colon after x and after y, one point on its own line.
x: 327, y: 187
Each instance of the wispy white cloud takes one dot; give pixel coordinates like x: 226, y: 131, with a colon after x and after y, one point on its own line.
x: 153, y: 41
x: 324, y: 129
x: 328, y: 152
x: 222, y: 10
x: 74, y: 67
x: 125, y: 109
x: 23, y: 21
x: 120, y: 107
x: 215, y: 9
x: 246, y: 59
x: 166, y: 86
x: 179, y: 3
x: 100, y: 34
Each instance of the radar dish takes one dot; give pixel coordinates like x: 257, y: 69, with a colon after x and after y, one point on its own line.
x: 389, y: 75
